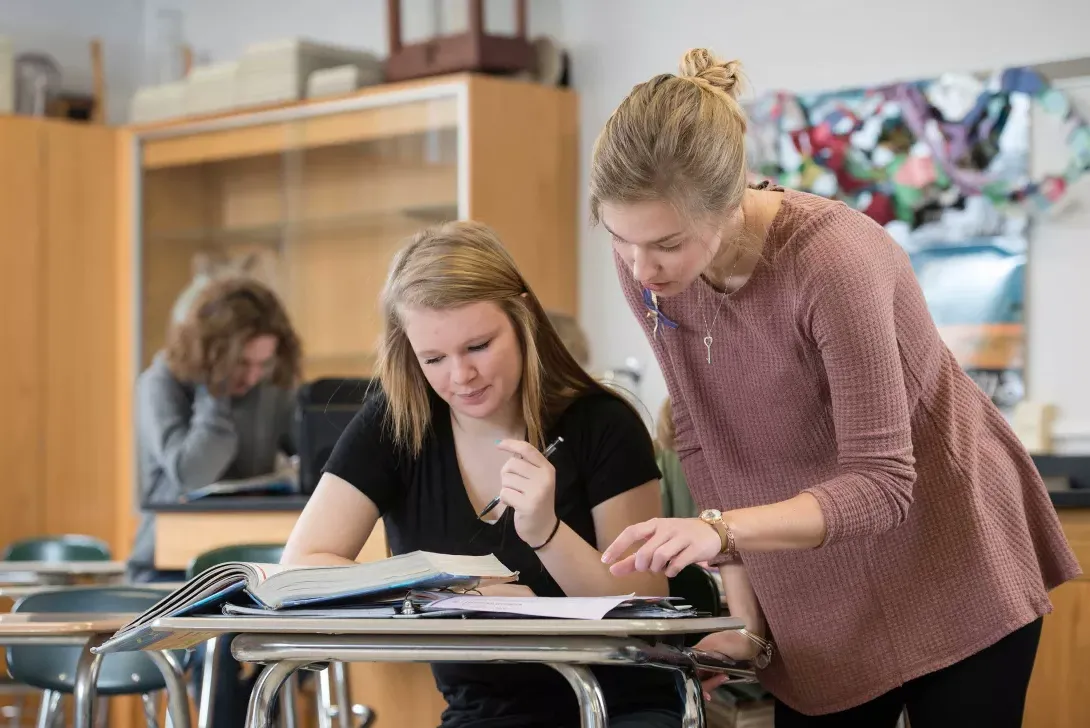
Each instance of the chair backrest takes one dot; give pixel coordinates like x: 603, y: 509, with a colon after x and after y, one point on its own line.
x: 698, y: 588
x: 72, y: 547
x: 324, y: 407
x: 262, y: 553
x: 54, y: 668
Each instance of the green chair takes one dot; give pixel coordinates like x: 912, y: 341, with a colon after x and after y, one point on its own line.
x: 57, y: 548
x: 50, y: 549
x: 53, y: 668
x: 261, y: 553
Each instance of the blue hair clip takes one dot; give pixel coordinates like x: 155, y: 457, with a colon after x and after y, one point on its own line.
x: 652, y: 302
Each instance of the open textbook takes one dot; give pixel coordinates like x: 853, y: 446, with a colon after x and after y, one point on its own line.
x: 274, y: 587
x: 284, y: 481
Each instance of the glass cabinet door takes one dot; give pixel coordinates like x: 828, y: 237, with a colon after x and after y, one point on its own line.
x: 357, y: 185
x: 314, y: 206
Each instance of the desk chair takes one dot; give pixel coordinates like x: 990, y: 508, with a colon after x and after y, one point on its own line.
x: 53, y: 669
x: 73, y: 547
x: 263, y: 553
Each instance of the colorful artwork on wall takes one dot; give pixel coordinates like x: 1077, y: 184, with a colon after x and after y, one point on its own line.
x: 943, y: 165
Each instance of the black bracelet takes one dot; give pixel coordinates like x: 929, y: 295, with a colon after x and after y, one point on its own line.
x: 550, y: 538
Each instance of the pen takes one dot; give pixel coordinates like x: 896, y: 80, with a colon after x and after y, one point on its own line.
x: 496, y: 501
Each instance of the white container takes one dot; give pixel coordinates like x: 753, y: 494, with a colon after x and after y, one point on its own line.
x: 278, y: 71
x: 339, y: 80
x: 156, y: 103
x: 212, y: 88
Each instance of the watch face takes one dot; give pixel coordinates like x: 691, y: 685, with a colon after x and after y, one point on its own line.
x: 711, y: 514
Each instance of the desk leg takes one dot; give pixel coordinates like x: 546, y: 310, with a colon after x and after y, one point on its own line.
x: 692, y: 711
x: 84, y: 692
x: 592, y: 704
x: 269, y: 682
x: 177, y: 696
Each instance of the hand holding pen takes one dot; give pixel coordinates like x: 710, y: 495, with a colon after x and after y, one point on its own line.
x: 528, y: 482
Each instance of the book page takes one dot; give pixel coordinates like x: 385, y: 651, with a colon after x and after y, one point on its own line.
x: 553, y: 607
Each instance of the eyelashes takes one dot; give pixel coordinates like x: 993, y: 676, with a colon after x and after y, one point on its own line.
x: 473, y: 349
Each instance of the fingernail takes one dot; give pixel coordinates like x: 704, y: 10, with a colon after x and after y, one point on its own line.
x: 497, y: 441
x: 707, y: 697
x: 605, y: 558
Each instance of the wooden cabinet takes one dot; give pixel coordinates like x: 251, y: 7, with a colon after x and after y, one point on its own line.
x: 58, y: 385
x: 1059, y: 691
x: 320, y: 195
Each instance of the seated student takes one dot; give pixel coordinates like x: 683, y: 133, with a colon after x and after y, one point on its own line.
x: 677, y: 501
x: 216, y: 403
x: 475, y: 383
x: 572, y: 336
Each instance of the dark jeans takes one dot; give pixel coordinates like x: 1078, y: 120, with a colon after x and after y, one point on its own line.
x: 985, y: 689
x: 647, y: 719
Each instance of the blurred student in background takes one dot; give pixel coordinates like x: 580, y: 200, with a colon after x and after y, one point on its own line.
x: 677, y: 502
x: 215, y: 404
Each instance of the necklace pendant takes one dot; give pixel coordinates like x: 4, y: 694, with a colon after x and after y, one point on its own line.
x: 708, y: 346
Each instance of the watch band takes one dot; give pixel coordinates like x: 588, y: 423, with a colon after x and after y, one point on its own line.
x: 728, y: 552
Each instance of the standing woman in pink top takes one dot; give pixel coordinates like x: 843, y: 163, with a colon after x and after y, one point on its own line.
x: 874, y: 517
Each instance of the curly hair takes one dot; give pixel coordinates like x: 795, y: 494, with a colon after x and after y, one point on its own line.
x: 206, y: 346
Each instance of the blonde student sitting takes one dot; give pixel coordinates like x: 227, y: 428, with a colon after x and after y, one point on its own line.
x: 475, y: 384
x: 677, y: 502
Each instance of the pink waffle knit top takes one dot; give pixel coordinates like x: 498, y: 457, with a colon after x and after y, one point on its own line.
x: 828, y: 376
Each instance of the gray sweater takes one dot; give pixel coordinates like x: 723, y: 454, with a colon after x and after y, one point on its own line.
x: 187, y: 439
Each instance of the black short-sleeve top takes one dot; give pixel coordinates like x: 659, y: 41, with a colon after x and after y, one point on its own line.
x: 606, y: 451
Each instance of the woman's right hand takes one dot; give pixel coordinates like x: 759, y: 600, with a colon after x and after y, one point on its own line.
x: 729, y: 644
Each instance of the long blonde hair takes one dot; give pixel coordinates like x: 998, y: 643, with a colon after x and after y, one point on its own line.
x: 680, y: 139
x: 456, y: 264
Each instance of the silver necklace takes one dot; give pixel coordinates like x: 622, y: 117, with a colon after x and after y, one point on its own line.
x: 722, y: 297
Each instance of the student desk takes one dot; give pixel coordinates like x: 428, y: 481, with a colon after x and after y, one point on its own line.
x: 183, y: 531
x: 59, y: 572
x: 89, y: 630
x: 404, y: 694
x: 286, y: 644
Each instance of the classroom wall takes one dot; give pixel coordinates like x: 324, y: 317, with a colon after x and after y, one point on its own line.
x: 614, y: 44
x: 221, y: 30
x: 64, y: 28
x: 805, y: 45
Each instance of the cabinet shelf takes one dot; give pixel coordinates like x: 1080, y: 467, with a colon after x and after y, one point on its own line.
x: 274, y: 233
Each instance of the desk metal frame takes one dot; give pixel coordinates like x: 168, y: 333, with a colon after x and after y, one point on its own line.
x: 287, y: 644
x: 85, y: 632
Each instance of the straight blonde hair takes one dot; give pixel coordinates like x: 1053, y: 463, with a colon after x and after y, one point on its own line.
x: 452, y: 265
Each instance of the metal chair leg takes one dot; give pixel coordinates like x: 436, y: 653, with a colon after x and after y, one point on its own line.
x: 177, y: 698
x: 151, y: 710
x: 208, y: 682
x: 324, y: 700
x: 339, y: 676
x: 48, y: 709
x: 288, y: 695
x: 269, y: 682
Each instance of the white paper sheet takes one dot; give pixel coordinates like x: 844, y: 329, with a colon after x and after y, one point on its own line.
x: 556, y: 607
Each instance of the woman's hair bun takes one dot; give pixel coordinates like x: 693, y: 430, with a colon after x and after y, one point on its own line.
x: 700, y: 63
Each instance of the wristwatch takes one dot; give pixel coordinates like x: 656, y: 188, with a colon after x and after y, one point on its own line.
x: 727, y: 551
